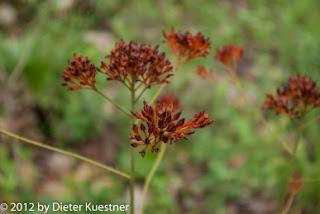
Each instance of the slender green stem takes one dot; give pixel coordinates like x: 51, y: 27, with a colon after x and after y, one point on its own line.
x: 234, y: 77
x: 286, y: 147
x: 288, y: 204
x: 154, y: 168
x: 291, y: 197
x: 114, y: 103
x: 132, y: 174
x: 127, y: 85
x: 156, y: 95
x: 67, y: 153
x: 176, y: 63
x: 139, y: 86
x: 298, y: 140
x: 141, y: 93
x: 295, y: 147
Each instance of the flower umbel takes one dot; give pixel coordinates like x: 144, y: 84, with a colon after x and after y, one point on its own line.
x: 132, y: 62
x: 230, y: 55
x: 161, y: 123
x: 187, y: 45
x: 294, y: 99
x: 79, y: 73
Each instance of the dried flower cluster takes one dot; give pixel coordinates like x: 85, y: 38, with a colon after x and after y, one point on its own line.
x: 187, y: 45
x: 230, y: 55
x: 161, y: 123
x: 79, y: 73
x: 132, y: 62
x: 204, y: 73
x: 296, y: 98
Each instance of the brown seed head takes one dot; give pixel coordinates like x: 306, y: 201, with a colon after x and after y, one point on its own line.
x: 79, y: 73
x: 294, y: 99
x: 132, y: 62
x: 187, y: 45
x: 161, y: 123
x: 230, y: 55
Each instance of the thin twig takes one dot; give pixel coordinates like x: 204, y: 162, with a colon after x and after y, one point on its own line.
x: 288, y: 204
x: 67, y: 153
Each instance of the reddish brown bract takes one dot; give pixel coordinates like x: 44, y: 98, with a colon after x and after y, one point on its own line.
x: 161, y: 123
x: 187, y: 45
x: 204, y: 73
x: 80, y: 72
x: 230, y: 55
x: 133, y: 62
x: 295, y: 184
x: 294, y: 99
x: 169, y: 99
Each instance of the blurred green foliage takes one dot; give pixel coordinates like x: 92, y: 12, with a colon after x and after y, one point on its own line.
x: 281, y: 38
x: 8, y: 181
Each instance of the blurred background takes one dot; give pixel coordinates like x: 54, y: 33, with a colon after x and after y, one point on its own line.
x: 235, y: 166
